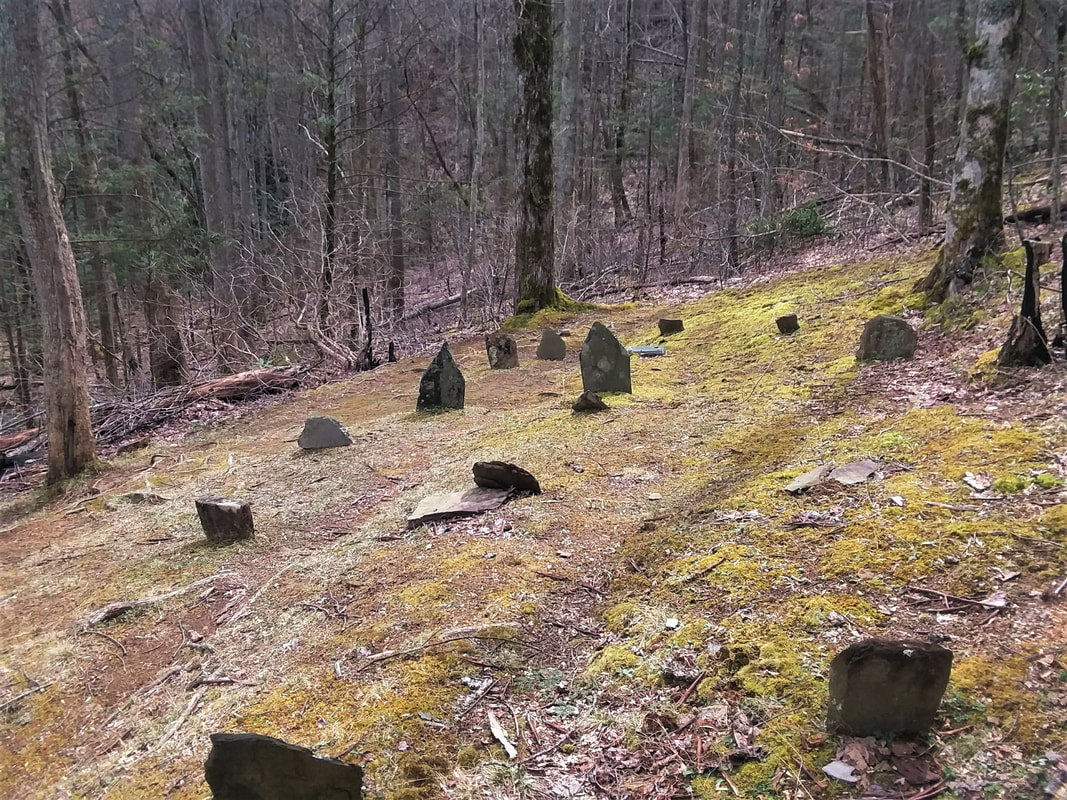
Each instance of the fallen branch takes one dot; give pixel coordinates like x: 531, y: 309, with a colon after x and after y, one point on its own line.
x: 38, y: 688
x: 189, y: 709
x: 244, y: 609
x: 115, y: 610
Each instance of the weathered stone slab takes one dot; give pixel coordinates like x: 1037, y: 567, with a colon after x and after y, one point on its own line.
x: 605, y: 362
x: 247, y: 766
x: 502, y: 350
x: 854, y: 473
x: 552, y: 347
x: 808, y: 479
x: 322, y: 432
x: 667, y: 327
x: 457, y: 504
x: 502, y: 475
x: 225, y: 521
x: 884, y: 687
x: 647, y: 350
x: 589, y: 401
x: 787, y: 324
x: 442, y: 384
x: 886, y: 338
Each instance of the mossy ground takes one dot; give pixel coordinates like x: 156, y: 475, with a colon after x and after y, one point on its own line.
x: 668, y: 507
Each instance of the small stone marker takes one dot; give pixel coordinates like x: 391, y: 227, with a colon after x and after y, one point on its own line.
x: 552, y: 346
x: 668, y: 327
x: 247, y: 766
x: 787, y: 324
x: 502, y: 350
x: 442, y: 384
x: 886, y: 338
x: 647, y: 350
x: 605, y: 362
x: 322, y: 432
x: 225, y: 521
x: 502, y: 475
x: 457, y: 504
x: 885, y: 687
x: 589, y: 401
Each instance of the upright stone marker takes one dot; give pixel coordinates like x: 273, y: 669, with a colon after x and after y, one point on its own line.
x: 884, y: 687
x: 667, y: 327
x: 322, y: 432
x: 787, y: 324
x: 886, y: 338
x: 605, y: 362
x: 552, y: 346
x: 442, y: 385
x: 502, y: 351
x: 225, y: 521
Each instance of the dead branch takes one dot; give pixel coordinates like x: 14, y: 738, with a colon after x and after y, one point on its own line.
x: 121, y: 607
x: 38, y: 688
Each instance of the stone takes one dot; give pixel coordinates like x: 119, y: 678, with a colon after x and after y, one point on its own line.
x: 502, y: 350
x: 808, y: 479
x: 886, y: 338
x: 670, y: 326
x: 457, y: 504
x: 883, y: 687
x: 787, y: 324
x: 647, y: 350
x: 589, y: 401
x: 225, y: 521
x: 502, y: 475
x: 552, y: 347
x: 855, y: 473
x: 247, y: 766
x: 605, y: 362
x: 322, y: 432
x: 442, y: 384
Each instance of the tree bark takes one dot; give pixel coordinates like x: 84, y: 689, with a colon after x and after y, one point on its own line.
x: 477, y: 146
x: 619, y: 201
x: 769, y: 187
x: 876, y: 68
x: 685, y: 124
x: 166, y: 352
x: 1055, y: 114
x: 394, y: 201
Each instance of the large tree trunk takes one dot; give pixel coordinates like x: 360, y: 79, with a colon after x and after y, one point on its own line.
x: 394, y: 201
x: 619, y: 201
x: 477, y: 146
x: 879, y: 95
x: 685, y: 124
x: 166, y: 352
x: 1055, y: 113
x: 774, y: 68
x: 975, y: 223
x: 70, y: 439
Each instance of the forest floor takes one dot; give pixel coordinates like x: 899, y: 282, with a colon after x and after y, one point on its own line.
x: 658, y: 623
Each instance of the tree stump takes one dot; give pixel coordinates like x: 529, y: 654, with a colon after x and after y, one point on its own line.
x: 225, y: 521
x: 1027, y: 344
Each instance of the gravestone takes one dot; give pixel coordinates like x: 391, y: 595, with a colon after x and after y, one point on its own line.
x: 322, y: 432
x: 442, y: 384
x: 247, y: 766
x: 589, y: 401
x: 605, y: 362
x: 457, y: 504
x: 502, y: 475
x: 502, y: 351
x: 787, y: 324
x: 885, y: 687
x: 552, y: 346
x: 886, y: 338
x: 225, y: 521
x: 670, y: 326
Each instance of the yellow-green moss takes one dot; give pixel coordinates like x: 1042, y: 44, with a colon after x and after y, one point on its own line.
x: 984, y: 369
x: 1011, y: 484
x: 994, y: 689
x: 613, y: 660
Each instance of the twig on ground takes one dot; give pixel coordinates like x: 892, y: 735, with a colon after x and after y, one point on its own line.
x: 114, y: 610
x: 690, y: 690
x: 244, y: 609
x: 38, y: 688
x: 103, y: 635
x: 189, y: 709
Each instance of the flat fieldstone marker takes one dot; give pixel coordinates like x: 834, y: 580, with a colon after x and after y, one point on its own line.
x: 502, y: 475
x: 605, y: 362
x: 502, y: 350
x: 886, y: 338
x: 322, y: 432
x: 552, y: 347
x: 457, y: 504
x: 225, y: 521
x: 885, y: 687
x: 787, y: 324
x: 442, y: 384
x: 668, y: 327
x: 247, y: 766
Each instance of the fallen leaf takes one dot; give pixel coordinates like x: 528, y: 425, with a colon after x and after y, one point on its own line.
x: 841, y: 771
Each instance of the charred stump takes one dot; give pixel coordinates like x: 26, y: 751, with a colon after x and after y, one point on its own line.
x: 1027, y: 345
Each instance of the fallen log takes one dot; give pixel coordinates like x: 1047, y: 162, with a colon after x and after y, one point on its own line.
x: 13, y: 440
x: 243, y: 384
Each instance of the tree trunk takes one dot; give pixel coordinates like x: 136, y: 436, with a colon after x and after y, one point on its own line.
x: 477, y: 146
x: 393, y: 199
x: 1055, y: 115
x: 770, y: 190
x: 926, y: 203
x: 876, y: 68
x: 619, y: 202
x: 70, y: 439
x: 166, y: 352
x: 685, y: 124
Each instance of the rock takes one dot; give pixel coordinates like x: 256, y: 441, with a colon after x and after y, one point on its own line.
x: 502, y: 475
x: 647, y: 350
x: 605, y: 362
x: 247, y: 766
x: 442, y: 384
x: 322, y: 432
x: 884, y: 687
x: 670, y: 326
x: 225, y: 521
x: 787, y: 324
x: 854, y: 473
x: 502, y: 350
x: 552, y: 346
x: 457, y: 504
x: 886, y: 338
x: 589, y: 401
x: 808, y: 479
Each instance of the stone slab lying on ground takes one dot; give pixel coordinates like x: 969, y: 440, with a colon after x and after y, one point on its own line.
x: 808, y: 479
x: 502, y: 350
x: 787, y: 323
x: 225, y: 521
x: 854, y: 473
x: 647, y: 350
x: 247, y: 766
x: 552, y: 347
x: 502, y: 475
x: 442, y: 384
x: 886, y: 338
x: 322, y: 432
x: 589, y: 401
x: 886, y: 688
x: 605, y: 362
x: 457, y: 504
x: 668, y: 327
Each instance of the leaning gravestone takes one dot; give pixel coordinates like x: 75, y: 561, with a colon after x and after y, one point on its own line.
x: 552, y: 346
x: 668, y: 327
x: 442, y: 384
x: 886, y: 338
x: 787, y: 324
x: 225, y: 521
x: 247, y: 766
x: 605, y: 362
x: 884, y: 687
x: 322, y: 432
x: 502, y: 475
x: 502, y: 351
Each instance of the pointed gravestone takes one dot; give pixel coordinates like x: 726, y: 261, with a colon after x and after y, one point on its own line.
x: 225, y: 521
x: 886, y: 338
x: 552, y: 346
x: 667, y: 327
x: 787, y: 324
x: 322, y: 432
x: 605, y: 362
x: 883, y: 687
x: 442, y: 384
x: 502, y: 351
x: 589, y: 401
